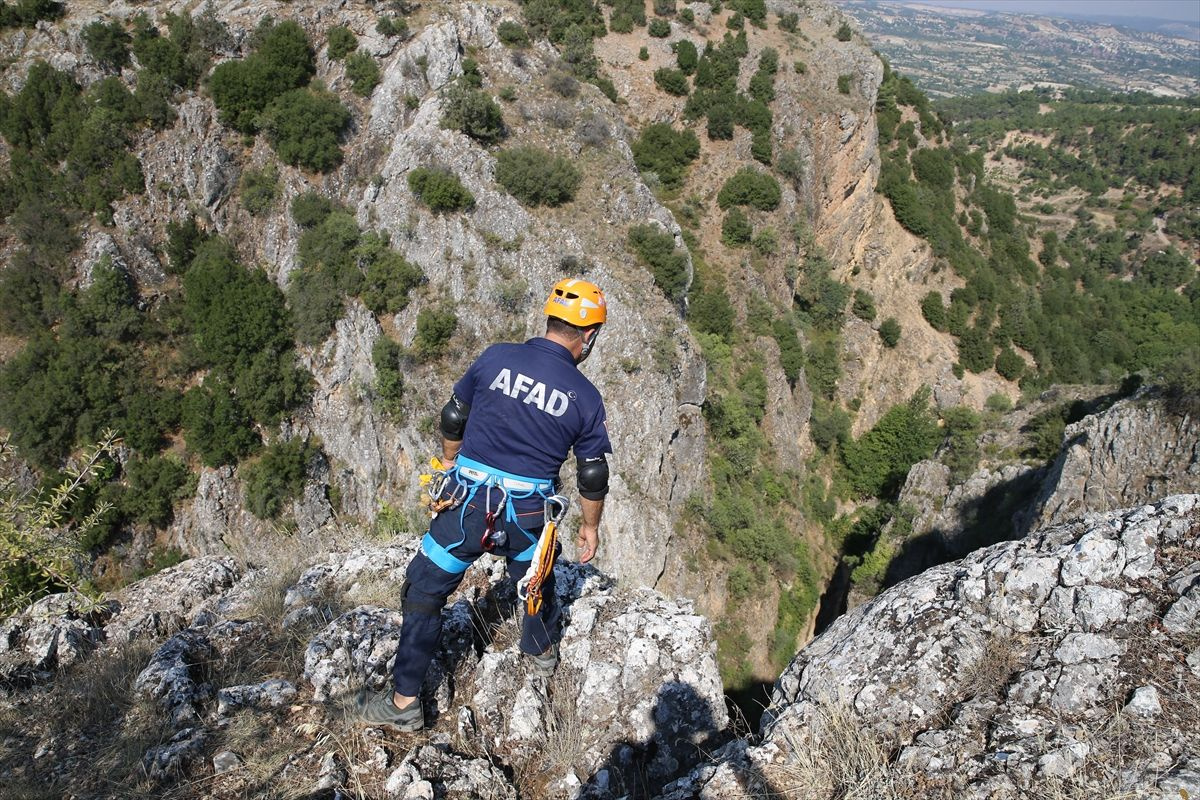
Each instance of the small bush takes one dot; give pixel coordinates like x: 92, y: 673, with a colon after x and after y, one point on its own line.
x: 766, y: 242
x: 665, y: 152
x: 800, y: 67
x: 390, y: 280
x: 750, y: 187
x: 472, y: 112
x: 155, y: 485
x: 435, y: 328
x: 512, y: 34
x: 183, y: 239
x: 720, y: 122
x: 259, y: 189
x: 363, y: 73
x: 789, y: 22
x: 562, y: 83
x: 1009, y: 365
x: 282, y: 61
x: 671, y: 81
x: 108, y: 43
x: 664, y: 8
x: 342, y: 42
x: 735, y: 228
x: 863, y: 306
x: 844, y: 33
x: 668, y: 265
x: 310, y: 209
x: 843, y: 83
x: 304, y: 127
x: 889, y: 332
x: 736, y: 22
x: 686, y: 57
x: 933, y: 308
x: 392, y: 26
x: 536, y: 177
x: 659, y: 28
x: 386, y: 355
x: 644, y: 54
x: 998, y: 402
x: 278, y: 476
x: 440, y: 189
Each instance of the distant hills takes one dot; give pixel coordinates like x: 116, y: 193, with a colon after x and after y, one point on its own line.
x: 951, y: 52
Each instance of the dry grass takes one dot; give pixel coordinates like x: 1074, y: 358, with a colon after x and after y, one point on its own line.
x: 844, y: 759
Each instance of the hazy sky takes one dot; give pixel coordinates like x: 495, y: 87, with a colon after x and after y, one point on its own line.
x: 1188, y: 10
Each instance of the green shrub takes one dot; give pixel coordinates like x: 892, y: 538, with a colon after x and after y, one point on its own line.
x: 961, y: 449
x: 791, y: 352
x: 801, y: 68
x: 183, y: 239
x: 363, y: 73
x: 311, y: 209
x: 863, y: 306
x: 435, y: 328
x: 1009, y: 365
x: 155, y: 485
x: 720, y: 123
x: 282, y: 62
x: 316, y: 304
x: 735, y: 228
x: 933, y: 308
x: 998, y: 402
x: 665, y: 152
x: 709, y: 311
x: 216, y: 426
x: 390, y: 280
x: 304, y: 127
x: 736, y: 22
x: 889, y: 332
x: 687, y: 15
x: 844, y: 32
x: 278, y: 476
x: 686, y: 57
x: 975, y: 349
x: 828, y: 425
x: 387, y: 356
x: 789, y: 22
x: 512, y: 34
x: 878, y: 461
x: 535, y: 177
x: 108, y: 43
x: 440, y: 189
x: 342, y: 42
x: 750, y: 187
x: 668, y: 265
x: 659, y: 28
x: 394, y: 26
x: 664, y: 8
x: 259, y: 188
x: 472, y: 112
x: 671, y: 81
x: 843, y: 83
x: 626, y: 14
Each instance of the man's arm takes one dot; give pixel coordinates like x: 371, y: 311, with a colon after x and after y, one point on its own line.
x: 450, y: 449
x: 589, y: 530
x: 453, y: 425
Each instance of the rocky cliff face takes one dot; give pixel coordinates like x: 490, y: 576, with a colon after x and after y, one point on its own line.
x: 216, y: 656
x: 1134, y: 452
x: 1068, y: 661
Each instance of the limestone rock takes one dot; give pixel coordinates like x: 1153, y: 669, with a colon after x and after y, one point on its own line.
x: 354, y: 650
x: 432, y: 772
x: 268, y: 694
x: 970, y: 636
x: 174, y: 676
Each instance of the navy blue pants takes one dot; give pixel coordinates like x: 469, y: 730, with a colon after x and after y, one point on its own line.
x: 429, y: 586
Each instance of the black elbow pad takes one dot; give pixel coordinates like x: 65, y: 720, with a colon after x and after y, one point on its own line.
x: 454, y: 419
x: 593, y: 478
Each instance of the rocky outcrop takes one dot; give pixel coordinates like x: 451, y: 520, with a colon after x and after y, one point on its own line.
x: 1135, y: 451
x: 1066, y: 659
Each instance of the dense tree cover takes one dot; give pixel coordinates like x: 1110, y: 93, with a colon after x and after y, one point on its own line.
x: 340, y: 42
x: 671, y: 81
x: 536, y: 177
x: 668, y: 265
x: 282, y: 62
x: 1096, y: 307
x: 627, y: 14
x: 27, y: 13
x: 554, y: 19
x: 440, y: 189
x: 736, y: 229
x: 259, y: 189
x: 512, y: 34
x: 717, y: 97
x: 666, y: 152
x: 108, y: 43
x: 686, y: 56
x: 435, y: 329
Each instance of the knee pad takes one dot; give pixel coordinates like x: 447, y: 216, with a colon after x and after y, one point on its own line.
x: 419, y: 605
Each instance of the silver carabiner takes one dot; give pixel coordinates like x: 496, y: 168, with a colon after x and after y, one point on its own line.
x: 563, y: 502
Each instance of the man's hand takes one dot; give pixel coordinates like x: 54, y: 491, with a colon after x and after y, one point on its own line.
x: 586, y: 542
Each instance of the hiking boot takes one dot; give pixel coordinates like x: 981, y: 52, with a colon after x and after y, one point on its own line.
x: 544, y: 664
x: 378, y: 709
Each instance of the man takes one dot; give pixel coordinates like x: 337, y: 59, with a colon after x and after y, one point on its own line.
x: 506, y: 432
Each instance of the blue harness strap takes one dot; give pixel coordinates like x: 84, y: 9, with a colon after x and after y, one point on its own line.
x: 497, y: 478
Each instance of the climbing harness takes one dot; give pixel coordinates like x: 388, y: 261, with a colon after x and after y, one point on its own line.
x: 464, y: 480
x: 529, y: 588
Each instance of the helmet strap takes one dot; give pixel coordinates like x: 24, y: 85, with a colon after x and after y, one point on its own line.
x: 588, y: 344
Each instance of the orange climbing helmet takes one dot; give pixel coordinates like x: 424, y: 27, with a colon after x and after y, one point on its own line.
x: 577, y: 302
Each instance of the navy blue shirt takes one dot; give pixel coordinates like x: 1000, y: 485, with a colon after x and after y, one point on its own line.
x: 530, y: 405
